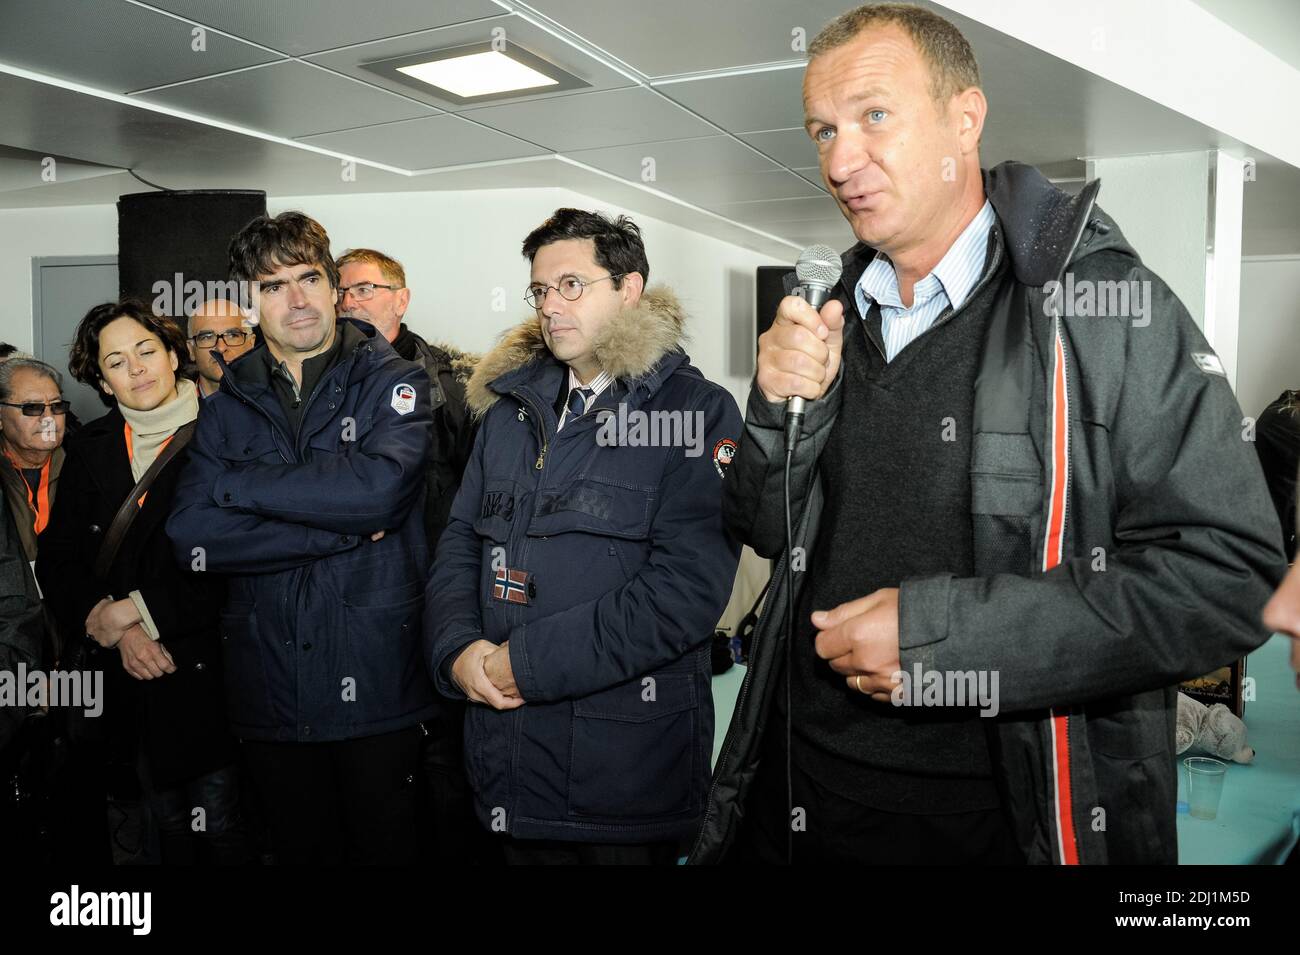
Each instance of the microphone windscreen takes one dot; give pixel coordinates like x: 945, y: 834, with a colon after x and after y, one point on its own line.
x: 819, y: 265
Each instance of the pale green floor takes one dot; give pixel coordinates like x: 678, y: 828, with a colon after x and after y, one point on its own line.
x: 1259, y: 815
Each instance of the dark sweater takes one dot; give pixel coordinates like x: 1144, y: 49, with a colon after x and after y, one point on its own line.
x: 293, y: 395
x: 897, y: 475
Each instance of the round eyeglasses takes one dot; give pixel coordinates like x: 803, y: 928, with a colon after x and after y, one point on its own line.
x: 570, y: 289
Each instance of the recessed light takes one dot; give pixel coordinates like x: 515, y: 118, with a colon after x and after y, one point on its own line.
x: 479, y: 72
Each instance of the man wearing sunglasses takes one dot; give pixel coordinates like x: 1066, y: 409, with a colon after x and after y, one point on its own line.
x: 33, y: 422
x: 216, y: 326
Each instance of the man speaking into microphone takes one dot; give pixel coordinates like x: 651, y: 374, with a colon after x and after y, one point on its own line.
x: 1013, y: 532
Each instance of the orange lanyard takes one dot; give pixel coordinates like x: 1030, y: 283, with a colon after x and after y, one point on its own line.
x: 130, y: 455
x: 40, y: 503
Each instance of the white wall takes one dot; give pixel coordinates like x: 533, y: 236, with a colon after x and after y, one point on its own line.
x: 1268, y: 351
x: 461, y: 251
x: 27, y: 233
x: 462, y: 260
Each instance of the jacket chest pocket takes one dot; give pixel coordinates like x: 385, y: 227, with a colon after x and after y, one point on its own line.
x: 251, y: 447
x: 619, y: 513
x: 498, y: 509
x: 595, y: 506
x: 1006, y: 484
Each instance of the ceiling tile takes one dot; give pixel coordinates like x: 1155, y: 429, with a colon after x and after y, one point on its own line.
x: 790, y: 147
x: 113, y: 45
x: 426, y: 143
x: 813, y: 174
x: 289, y: 99
x: 594, y: 120
x: 664, y: 164
x: 516, y: 30
x: 686, y: 36
x: 310, y: 26
x: 744, y: 102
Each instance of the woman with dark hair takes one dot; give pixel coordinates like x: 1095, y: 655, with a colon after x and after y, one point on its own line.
x: 107, y: 571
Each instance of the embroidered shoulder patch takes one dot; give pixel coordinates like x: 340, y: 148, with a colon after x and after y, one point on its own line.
x: 403, y: 398
x: 723, y: 452
x: 1209, y: 363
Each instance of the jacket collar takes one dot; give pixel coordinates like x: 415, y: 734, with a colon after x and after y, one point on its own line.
x: 639, y: 347
x: 250, y: 373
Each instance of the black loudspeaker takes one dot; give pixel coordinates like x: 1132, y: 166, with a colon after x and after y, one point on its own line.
x: 773, y: 283
x: 172, y: 246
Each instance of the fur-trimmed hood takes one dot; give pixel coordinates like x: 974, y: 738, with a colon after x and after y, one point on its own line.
x: 462, y: 363
x: 629, y: 347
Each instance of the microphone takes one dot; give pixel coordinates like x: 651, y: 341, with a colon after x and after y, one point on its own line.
x: 818, y: 270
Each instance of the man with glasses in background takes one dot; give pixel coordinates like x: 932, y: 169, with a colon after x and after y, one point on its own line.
x: 372, y: 288
x: 216, y: 325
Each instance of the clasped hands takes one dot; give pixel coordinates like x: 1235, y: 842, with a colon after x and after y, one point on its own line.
x: 116, y: 623
x: 483, y: 673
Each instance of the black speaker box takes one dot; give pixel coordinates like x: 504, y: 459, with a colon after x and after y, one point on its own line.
x: 773, y: 283
x: 179, y: 239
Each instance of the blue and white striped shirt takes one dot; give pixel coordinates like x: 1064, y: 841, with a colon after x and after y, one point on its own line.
x: 949, y: 283
x: 596, y: 386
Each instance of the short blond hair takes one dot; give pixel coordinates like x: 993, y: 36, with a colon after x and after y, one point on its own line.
x: 391, y: 268
x: 947, y: 53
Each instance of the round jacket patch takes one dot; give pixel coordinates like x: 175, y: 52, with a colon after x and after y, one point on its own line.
x: 723, y: 452
x: 403, y: 398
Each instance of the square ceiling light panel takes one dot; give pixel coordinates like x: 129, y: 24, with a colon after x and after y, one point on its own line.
x: 478, y: 72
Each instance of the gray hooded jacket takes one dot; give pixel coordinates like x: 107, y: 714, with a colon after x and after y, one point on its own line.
x: 1124, y: 540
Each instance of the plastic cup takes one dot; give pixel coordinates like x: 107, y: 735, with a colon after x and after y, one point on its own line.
x: 1204, y: 785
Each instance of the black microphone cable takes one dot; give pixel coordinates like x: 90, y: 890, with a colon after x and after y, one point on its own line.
x: 819, y: 269
x: 789, y: 639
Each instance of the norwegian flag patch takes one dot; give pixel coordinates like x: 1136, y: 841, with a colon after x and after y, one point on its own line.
x: 511, y: 586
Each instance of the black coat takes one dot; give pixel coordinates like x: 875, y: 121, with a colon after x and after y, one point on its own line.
x: 182, y: 714
x: 453, y: 426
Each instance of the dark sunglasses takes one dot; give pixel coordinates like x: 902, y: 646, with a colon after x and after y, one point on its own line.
x: 34, y: 409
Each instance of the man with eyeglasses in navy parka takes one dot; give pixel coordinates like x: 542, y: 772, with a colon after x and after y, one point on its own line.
x: 585, y: 565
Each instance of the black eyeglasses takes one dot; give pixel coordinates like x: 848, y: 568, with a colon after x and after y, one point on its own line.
x: 570, y: 289
x: 35, y: 409
x: 233, y: 337
x: 364, y: 291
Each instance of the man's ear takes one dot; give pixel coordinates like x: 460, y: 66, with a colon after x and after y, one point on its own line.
x: 633, y: 286
x: 403, y: 301
x: 971, y: 107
